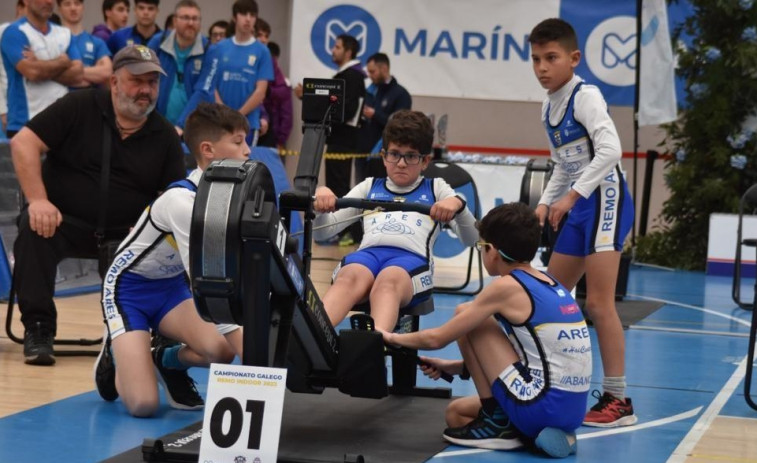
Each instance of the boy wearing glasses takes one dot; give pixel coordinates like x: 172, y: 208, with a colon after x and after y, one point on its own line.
x: 524, y: 342
x: 392, y: 267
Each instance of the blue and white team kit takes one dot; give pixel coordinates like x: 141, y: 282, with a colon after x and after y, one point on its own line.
x: 399, y: 238
x: 233, y: 69
x: 148, y: 276
x: 26, y: 98
x: 601, y: 221
x: 549, y: 387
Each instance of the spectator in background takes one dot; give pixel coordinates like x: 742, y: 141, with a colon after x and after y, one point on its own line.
x: 94, y: 53
x: 168, y: 25
x: 115, y: 15
x: 218, y: 31
x: 278, y: 99
x: 63, y: 190
x: 41, y: 61
x: 344, y: 137
x: 140, y: 33
x: 20, y: 11
x: 181, y: 52
x: 236, y: 71
x: 383, y: 98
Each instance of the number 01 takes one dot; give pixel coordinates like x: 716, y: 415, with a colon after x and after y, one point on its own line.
x: 232, y: 406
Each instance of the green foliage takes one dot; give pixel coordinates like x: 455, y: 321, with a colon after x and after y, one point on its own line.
x: 715, y: 157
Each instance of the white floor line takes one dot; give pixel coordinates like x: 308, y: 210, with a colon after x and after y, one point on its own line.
x: 694, y: 307
x: 686, y: 447
x: 591, y: 435
x: 688, y: 331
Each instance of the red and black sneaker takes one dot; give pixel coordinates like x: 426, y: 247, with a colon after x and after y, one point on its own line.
x: 610, y: 412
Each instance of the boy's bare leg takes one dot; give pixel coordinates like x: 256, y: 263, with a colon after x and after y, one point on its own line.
x: 392, y: 289
x: 462, y: 411
x: 486, y: 352
x: 566, y: 269
x: 135, y: 374
x: 204, y: 344
x: 601, y: 279
x: 351, y: 285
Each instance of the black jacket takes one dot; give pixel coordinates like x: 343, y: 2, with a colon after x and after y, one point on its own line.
x: 344, y: 136
x: 388, y: 99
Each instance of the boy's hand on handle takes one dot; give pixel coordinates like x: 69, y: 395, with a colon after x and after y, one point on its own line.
x: 446, y: 209
x: 433, y: 367
x: 325, y: 200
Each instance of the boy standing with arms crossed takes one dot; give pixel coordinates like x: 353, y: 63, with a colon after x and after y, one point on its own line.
x: 587, y: 186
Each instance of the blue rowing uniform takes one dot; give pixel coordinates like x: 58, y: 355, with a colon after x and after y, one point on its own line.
x: 601, y: 221
x: 549, y: 386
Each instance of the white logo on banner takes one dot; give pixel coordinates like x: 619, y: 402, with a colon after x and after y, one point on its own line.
x: 335, y: 28
x: 611, y: 51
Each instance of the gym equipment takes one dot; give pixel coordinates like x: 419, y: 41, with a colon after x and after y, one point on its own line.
x: 462, y: 182
x: 747, y: 206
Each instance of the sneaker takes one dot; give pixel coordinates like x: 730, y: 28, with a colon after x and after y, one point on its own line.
x: 181, y: 390
x: 556, y: 443
x: 610, y: 412
x: 105, y: 371
x: 38, y: 346
x: 484, y: 433
x: 346, y: 240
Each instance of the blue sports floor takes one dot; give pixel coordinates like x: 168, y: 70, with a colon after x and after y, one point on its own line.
x: 685, y: 368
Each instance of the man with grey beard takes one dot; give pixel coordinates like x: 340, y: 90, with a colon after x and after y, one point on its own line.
x: 58, y: 158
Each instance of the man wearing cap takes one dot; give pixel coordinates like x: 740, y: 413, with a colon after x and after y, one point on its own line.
x: 64, y: 191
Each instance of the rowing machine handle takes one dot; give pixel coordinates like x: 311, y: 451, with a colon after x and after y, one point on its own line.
x: 342, y: 203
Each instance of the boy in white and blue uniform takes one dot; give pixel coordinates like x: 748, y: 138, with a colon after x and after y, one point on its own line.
x: 393, y: 265
x: 146, y: 286
x: 140, y: 33
x: 25, y: 43
x: 95, y: 55
x: 523, y: 340
x: 589, y: 190
x: 237, y: 70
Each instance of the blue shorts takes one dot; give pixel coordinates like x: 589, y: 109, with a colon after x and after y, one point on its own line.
x: 138, y: 303
x: 377, y: 258
x: 600, y: 222
x: 552, y: 408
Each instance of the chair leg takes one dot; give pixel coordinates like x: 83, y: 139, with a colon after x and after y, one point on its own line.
x: 458, y: 289
x: 63, y: 342
x: 750, y: 355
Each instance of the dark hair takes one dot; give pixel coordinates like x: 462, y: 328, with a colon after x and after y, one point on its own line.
x: 350, y: 43
x: 110, y: 4
x: 513, y: 229
x: 379, y: 58
x: 244, y: 6
x: 169, y: 21
x: 411, y: 128
x: 261, y: 25
x: 149, y: 2
x: 219, y: 23
x: 274, y: 48
x: 554, y: 30
x: 55, y: 19
x: 209, y: 122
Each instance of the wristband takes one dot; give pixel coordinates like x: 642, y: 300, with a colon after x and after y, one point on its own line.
x: 462, y: 208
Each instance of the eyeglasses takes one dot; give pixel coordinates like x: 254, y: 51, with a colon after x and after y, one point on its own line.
x: 482, y: 246
x: 411, y: 159
x: 188, y: 19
